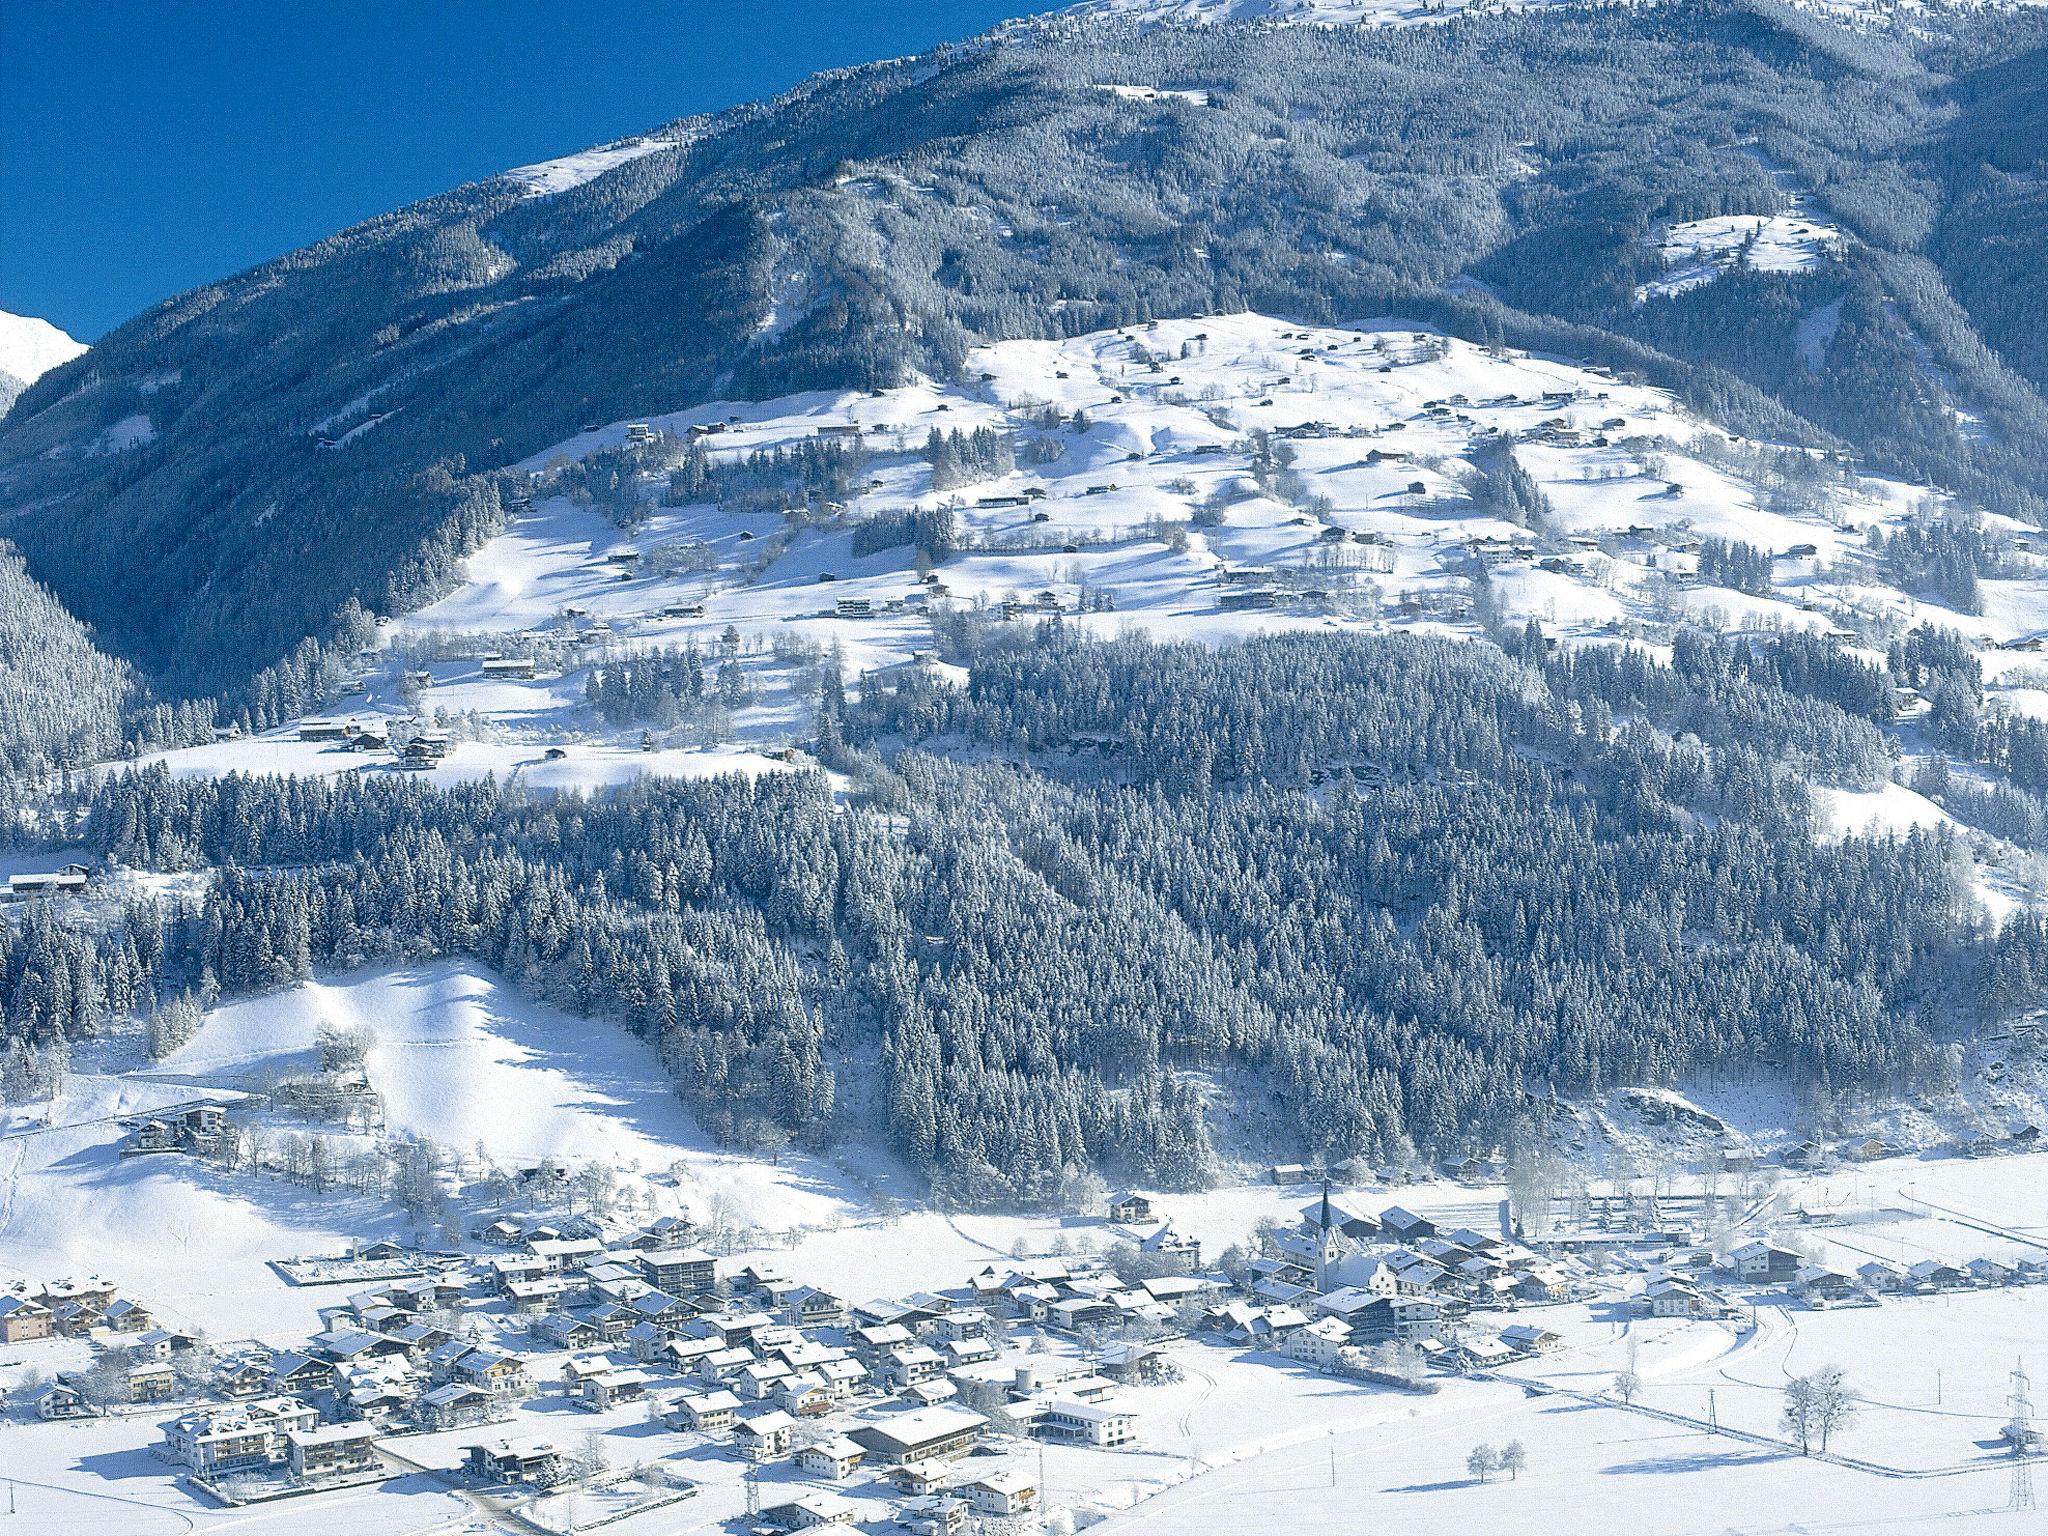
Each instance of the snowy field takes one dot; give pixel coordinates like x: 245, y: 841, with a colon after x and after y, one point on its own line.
x: 1699, y: 251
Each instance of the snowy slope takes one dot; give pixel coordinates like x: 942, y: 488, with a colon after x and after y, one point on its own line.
x: 467, y: 1062
x: 30, y: 348
x: 549, y: 177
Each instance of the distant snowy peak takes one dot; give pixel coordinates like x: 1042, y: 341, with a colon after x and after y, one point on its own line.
x: 30, y: 348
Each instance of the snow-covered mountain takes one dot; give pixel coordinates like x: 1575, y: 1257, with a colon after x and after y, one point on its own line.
x: 254, y: 454
x: 29, y: 348
x: 1328, y: 13
x: 1344, y: 13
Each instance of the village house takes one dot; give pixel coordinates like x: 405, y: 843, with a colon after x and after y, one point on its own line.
x: 1096, y: 1424
x: 91, y: 1291
x: 809, y: 1307
x: 1395, y: 1317
x: 23, y: 1320
x: 1821, y: 1285
x: 1529, y: 1339
x: 458, y: 1405
x: 249, y: 1437
x: 1318, y: 1344
x: 1764, y: 1261
x: 534, y: 1463
x: 1130, y: 1208
x: 70, y: 880
x: 325, y: 1452
x: 1881, y: 1275
x: 60, y: 1399
x: 703, y: 1412
x: 808, y: 1512
x: 908, y: 1364
x: 764, y: 1436
x: 805, y: 1395
x: 1671, y: 1298
x: 495, y: 1371
x: 1135, y: 1364
x: 150, y: 1381
x: 1404, y: 1226
x: 607, y: 1389
x: 835, y: 1458
x: 1332, y: 1213
x: 1179, y: 1255
x: 1002, y: 1494
x: 679, y: 1271
x: 925, y: 1434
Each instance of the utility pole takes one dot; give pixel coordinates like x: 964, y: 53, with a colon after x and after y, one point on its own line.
x: 1713, y: 1414
x: 1333, y: 1458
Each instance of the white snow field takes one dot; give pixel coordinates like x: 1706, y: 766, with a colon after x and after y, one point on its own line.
x: 30, y: 348
x: 464, y: 1060
x: 1244, y: 1441
x: 1699, y: 251
x: 549, y: 177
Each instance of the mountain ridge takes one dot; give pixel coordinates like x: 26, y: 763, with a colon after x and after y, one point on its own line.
x: 355, y: 399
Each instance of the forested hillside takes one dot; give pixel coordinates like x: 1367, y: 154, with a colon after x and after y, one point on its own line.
x: 1396, y: 888
x: 61, y: 701
x: 220, y: 476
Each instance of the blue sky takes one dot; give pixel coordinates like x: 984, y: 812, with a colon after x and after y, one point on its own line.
x: 145, y: 148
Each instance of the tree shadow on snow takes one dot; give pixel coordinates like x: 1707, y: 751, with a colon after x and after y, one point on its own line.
x: 1695, y: 1461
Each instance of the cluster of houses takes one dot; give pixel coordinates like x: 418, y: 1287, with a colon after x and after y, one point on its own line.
x: 1350, y: 1291
x: 423, y: 748
x: 1691, y: 1282
x: 136, y: 1360
x: 811, y: 1391
x: 194, y: 1129
x: 69, y: 1309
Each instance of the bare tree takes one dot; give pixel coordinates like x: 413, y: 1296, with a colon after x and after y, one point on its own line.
x: 1627, y: 1384
x: 1801, y: 1415
x: 1483, y: 1462
x: 1513, y: 1459
x: 1817, y: 1405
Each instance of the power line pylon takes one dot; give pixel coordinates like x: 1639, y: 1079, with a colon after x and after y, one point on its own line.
x: 2021, y: 1432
